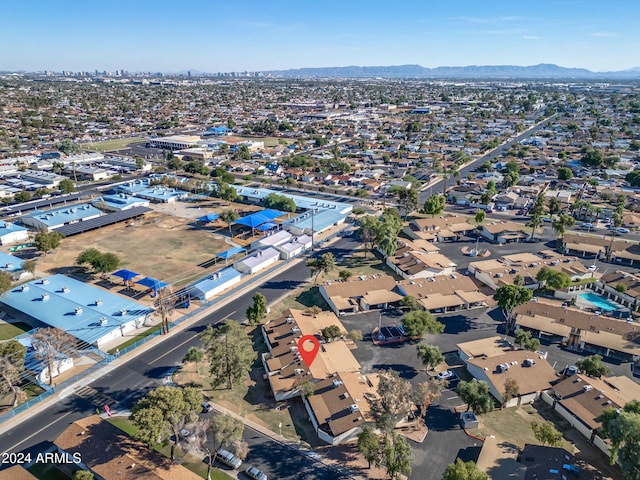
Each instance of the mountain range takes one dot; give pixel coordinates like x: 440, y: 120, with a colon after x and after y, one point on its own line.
x: 541, y: 71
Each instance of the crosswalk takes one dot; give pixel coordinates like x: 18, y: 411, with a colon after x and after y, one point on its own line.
x: 95, y: 397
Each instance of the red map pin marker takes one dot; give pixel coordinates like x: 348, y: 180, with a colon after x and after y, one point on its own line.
x: 308, y: 356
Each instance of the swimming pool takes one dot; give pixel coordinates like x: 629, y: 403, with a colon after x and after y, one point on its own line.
x: 599, y: 302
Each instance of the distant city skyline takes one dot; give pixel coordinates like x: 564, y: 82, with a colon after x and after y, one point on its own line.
x: 252, y: 35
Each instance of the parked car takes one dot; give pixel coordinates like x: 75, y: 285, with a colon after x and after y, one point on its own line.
x: 187, y: 435
x: 622, y: 230
x: 569, y: 371
x: 228, y: 458
x: 256, y: 474
x: 206, y: 408
x: 445, y: 375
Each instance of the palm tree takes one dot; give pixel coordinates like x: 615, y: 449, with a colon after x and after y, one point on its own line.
x: 560, y: 225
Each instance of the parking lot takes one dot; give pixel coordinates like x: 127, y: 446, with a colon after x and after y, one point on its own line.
x: 445, y: 440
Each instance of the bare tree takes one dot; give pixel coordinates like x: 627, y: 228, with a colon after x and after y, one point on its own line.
x: 51, y: 346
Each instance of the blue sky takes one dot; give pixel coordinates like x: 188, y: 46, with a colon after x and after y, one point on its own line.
x: 237, y: 35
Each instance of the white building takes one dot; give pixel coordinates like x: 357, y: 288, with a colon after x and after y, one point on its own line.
x: 258, y: 261
x: 11, y: 233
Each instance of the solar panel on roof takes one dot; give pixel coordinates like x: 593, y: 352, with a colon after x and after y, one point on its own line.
x: 49, y: 202
x: 103, y: 221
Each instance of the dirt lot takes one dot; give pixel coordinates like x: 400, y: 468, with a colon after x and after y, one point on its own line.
x: 160, y: 246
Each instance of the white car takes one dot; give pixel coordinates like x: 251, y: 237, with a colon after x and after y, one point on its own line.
x: 256, y: 474
x: 593, y: 267
x: 621, y: 230
x: 445, y: 375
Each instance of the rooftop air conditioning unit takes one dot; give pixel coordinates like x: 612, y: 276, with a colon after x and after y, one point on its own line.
x: 66, y: 289
x: 103, y: 321
x: 78, y: 310
x: 587, y: 388
x: 337, y: 383
x: 354, y: 408
x: 123, y: 312
x: 45, y: 281
x: 98, y: 302
x: 45, y: 297
x: 25, y: 288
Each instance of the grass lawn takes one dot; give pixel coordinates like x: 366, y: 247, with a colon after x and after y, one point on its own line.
x: 252, y: 398
x: 137, y: 338
x: 514, y: 424
x: 11, y: 330
x: 115, y: 144
x: 188, y: 461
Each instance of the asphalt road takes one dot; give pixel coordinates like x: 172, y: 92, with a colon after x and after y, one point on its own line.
x: 124, y: 385
x: 436, y: 187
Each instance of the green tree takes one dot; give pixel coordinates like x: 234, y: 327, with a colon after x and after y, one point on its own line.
x: 592, y: 158
x: 331, y: 333
x: 257, y: 311
x: 369, y: 445
x: 82, y: 475
x: 523, y: 338
x: 546, y: 433
x: 229, y: 351
x: 67, y: 147
x: 511, y: 178
x: 593, y: 366
x: 388, y: 243
x: 408, y: 199
x: 164, y: 412
x: 369, y: 232
x: 510, y: 297
x: 560, y: 225
x: 174, y: 163
x: 535, y: 216
x: 67, y: 186
x: 565, y: 173
x: 229, y: 216
x: 434, y: 205
x: 345, y: 274
x: 420, y: 322
x: 555, y: 206
x: 280, y: 202
x: 321, y: 265
x: 47, y: 241
x: 476, y: 395
x: 410, y: 303
x: 464, y: 471
x: 622, y: 428
x: 100, y: 262
x: 429, y: 355
x: 22, y: 196
x: 480, y: 217
x: 194, y: 354
x: 225, y: 192
x: 12, y: 355
x: 356, y: 335
x: 397, y: 455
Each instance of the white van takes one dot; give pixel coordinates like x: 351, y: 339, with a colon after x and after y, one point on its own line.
x: 228, y: 458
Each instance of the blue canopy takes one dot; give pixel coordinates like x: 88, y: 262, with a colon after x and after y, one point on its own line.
x: 231, y: 252
x: 126, y: 275
x: 210, y: 217
x: 266, y: 226
x: 259, y: 218
x: 152, y: 283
